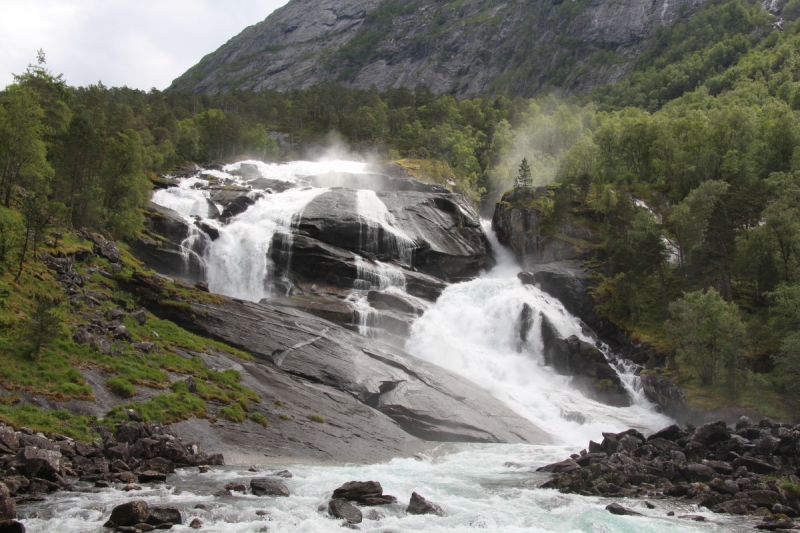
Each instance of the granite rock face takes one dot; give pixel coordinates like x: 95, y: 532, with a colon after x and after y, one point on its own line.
x: 399, y: 393
x: 447, y: 47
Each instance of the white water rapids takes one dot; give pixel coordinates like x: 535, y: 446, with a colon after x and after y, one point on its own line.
x: 471, y: 330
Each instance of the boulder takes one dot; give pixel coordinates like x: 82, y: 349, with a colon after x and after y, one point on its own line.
x: 130, y: 513
x: 617, y: 509
x: 341, y: 508
x: 711, y: 433
x: 35, y: 462
x: 755, y: 465
x: 11, y: 526
x: 268, y: 487
x: 9, y: 443
x: 236, y: 486
x: 696, y: 472
x: 164, y: 515
x: 151, y: 476
x: 140, y: 316
x: 670, y: 433
x: 419, y: 505
x: 8, y: 507
x: 363, y: 492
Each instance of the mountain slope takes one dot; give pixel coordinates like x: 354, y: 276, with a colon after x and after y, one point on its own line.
x: 465, y: 47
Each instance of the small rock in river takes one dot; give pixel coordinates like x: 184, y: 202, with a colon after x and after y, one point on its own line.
x: 617, y: 509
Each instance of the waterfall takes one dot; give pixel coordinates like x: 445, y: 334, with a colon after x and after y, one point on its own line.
x: 237, y: 263
x: 473, y: 330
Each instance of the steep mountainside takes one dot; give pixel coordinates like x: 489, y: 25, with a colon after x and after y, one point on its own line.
x: 464, y: 47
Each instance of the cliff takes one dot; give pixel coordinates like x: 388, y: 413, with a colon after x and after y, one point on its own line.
x: 465, y: 48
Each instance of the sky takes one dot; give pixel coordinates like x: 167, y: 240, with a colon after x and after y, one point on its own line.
x: 138, y: 43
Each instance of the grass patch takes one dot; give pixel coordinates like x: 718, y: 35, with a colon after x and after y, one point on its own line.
x: 121, y: 387
x: 317, y: 418
x: 234, y: 413
x: 50, y: 423
x: 166, y: 408
x: 284, y: 417
x: 259, y: 418
x: 278, y: 403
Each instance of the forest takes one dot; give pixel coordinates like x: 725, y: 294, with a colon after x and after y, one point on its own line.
x: 688, y: 172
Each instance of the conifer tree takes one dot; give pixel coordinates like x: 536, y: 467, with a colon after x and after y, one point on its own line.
x: 524, y: 178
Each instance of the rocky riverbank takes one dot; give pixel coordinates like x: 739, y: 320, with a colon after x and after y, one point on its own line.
x: 749, y: 469
x: 33, y: 465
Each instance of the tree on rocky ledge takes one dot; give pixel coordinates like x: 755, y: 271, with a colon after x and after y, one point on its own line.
x: 524, y: 178
x: 708, y: 335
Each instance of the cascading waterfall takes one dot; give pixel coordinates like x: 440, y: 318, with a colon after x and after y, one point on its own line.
x: 237, y: 263
x: 473, y: 330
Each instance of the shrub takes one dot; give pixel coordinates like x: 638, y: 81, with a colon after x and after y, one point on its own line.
x: 121, y: 387
x: 258, y: 418
x: 317, y: 418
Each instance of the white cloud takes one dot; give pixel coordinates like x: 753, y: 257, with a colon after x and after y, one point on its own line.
x: 138, y: 43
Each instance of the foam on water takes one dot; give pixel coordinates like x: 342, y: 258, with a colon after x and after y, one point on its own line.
x: 472, y: 483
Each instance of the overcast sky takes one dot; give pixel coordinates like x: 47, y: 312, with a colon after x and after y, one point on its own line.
x: 138, y: 43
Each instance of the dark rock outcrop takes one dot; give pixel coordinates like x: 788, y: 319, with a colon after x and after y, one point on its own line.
x: 160, y: 246
x: 520, y: 228
x: 592, y: 373
x: 438, y: 232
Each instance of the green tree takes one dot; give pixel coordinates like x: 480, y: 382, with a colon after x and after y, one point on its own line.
x: 785, y: 324
x: 23, y: 153
x: 709, y: 336
x: 689, y: 219
x: 524, y: 178
x: 43, y: 325
x: 123, y: 186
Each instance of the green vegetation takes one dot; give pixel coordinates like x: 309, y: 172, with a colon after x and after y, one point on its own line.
x: 166, y: 408
x: 48, y: 422
x: 121, y: 387
x: 317, y: 418
x: 284, y: 417
x: 259, y: 418
x: 234, y: 413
